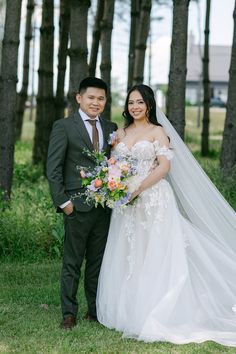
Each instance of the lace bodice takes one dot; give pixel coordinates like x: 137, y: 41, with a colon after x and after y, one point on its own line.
x: 144, y: 154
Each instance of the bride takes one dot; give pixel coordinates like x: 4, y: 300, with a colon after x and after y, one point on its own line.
x: 169, y: 268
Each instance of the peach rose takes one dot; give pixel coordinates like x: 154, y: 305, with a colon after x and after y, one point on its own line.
x: 97, y: 183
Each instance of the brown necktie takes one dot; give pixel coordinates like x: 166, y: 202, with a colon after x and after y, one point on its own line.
x: 95, y: 136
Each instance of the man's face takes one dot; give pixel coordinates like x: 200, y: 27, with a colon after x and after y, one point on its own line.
x: 92, y: 101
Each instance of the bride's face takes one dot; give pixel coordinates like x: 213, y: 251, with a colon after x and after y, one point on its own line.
x: 136, y: 106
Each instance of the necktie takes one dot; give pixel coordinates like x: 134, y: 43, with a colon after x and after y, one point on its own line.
x: 95, y: 137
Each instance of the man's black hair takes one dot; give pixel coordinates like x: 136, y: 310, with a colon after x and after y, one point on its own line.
x: 92, y: 82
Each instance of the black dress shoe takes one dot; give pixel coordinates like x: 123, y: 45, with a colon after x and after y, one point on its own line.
x: 90, y: 318
x: 68, y: 323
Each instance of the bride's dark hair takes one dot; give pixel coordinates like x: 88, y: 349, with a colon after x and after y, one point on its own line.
x: 148, y: 96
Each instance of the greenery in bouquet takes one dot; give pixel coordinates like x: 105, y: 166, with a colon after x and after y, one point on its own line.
x: 111, y: 182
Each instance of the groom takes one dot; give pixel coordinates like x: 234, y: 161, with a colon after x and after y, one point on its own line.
x: 86, y: 227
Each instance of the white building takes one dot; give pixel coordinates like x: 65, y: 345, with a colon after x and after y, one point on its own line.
x: 218, y: 71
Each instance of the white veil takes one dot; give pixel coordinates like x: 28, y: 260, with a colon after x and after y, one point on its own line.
x: 198, y: 198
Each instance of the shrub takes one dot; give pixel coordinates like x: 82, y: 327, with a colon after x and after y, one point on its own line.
x: 29, y: 227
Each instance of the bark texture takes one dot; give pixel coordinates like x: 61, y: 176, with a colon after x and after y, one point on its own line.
x: 45, y: 100
x: 178, y: 69
x: 141, y: 41
x: 64, y: 24
x: 105, y: 67
x: 135, y: 17
x: 8, y: 80
x: 228, y: 153
x: 206, y: 85
x: 23, y: 94
x: 78, y: 51
x: 96, y: 38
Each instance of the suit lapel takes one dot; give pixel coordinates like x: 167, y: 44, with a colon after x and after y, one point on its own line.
x: 81, y: 129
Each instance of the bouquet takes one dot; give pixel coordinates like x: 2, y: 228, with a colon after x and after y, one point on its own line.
x: 111, y: 182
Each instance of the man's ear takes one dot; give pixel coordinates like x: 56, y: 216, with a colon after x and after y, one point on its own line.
x: 78, y: 98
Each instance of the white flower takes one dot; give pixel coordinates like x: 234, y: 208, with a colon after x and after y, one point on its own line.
x: 112, y: 138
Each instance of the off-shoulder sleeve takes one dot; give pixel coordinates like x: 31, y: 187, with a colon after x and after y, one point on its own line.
x: 163, y: 150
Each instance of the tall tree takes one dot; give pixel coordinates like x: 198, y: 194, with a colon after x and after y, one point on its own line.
x: 141, y: 41
x: 206, y: 85
x: 23, y: 94
x: 64, y: 24
x: 178, y: 69
x: 96, y: 38
x: 105, y: 67
x: 45, y: 100
x: 8, y: 80
x: 228, y: 153
x: 135, y: 17
x: 78, y: 51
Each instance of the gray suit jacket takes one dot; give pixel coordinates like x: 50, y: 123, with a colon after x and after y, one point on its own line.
x: 69, y: 138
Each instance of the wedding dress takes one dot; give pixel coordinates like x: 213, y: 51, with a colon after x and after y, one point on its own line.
x: 168, y: 274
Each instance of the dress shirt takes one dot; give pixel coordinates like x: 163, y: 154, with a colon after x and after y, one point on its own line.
x: 89, y: 128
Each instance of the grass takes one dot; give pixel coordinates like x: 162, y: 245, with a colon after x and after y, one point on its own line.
x: 30, y: 317
x: 31, y: 238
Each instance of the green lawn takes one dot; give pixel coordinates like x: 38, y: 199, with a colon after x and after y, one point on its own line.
x: 30, y: 316
x: 31, y: 237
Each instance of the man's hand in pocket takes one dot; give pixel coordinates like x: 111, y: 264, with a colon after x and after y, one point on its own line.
x: 68, y: 209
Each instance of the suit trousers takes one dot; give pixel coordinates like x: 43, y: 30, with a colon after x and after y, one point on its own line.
x: 85, y: 238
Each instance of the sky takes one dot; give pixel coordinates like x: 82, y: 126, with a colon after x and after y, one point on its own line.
x: 221, y: 33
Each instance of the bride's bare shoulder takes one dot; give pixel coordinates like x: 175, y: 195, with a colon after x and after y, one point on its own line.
x: 117, y: 136
x: 160, y: 135
x: 120, y: 134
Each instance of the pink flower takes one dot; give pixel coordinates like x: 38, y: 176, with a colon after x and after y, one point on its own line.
x: 112, y: 185
x: 111, y: 161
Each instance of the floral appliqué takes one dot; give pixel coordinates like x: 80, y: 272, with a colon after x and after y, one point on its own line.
x: 145, y: 155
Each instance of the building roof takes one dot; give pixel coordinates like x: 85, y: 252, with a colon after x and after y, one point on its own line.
x: 219, y: 62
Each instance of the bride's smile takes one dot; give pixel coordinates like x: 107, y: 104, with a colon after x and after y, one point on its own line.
x: 137, y: 107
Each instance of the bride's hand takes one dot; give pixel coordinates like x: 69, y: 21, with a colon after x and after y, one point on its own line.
x: 133, y: 196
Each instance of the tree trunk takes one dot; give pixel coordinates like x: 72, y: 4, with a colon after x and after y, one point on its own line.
x: 96, y: 38
x: 45, y: 101
x: 2, y: 17
x: 8, y: 80
x: 105, y: 67
x: 22, y: 96
x: 141, y: 41
x: 228, y: 153
x: 64, y: 24
x: 78, y: 51
x: 206, y: 85
x: 178, y: 70
x: 135, y: 18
